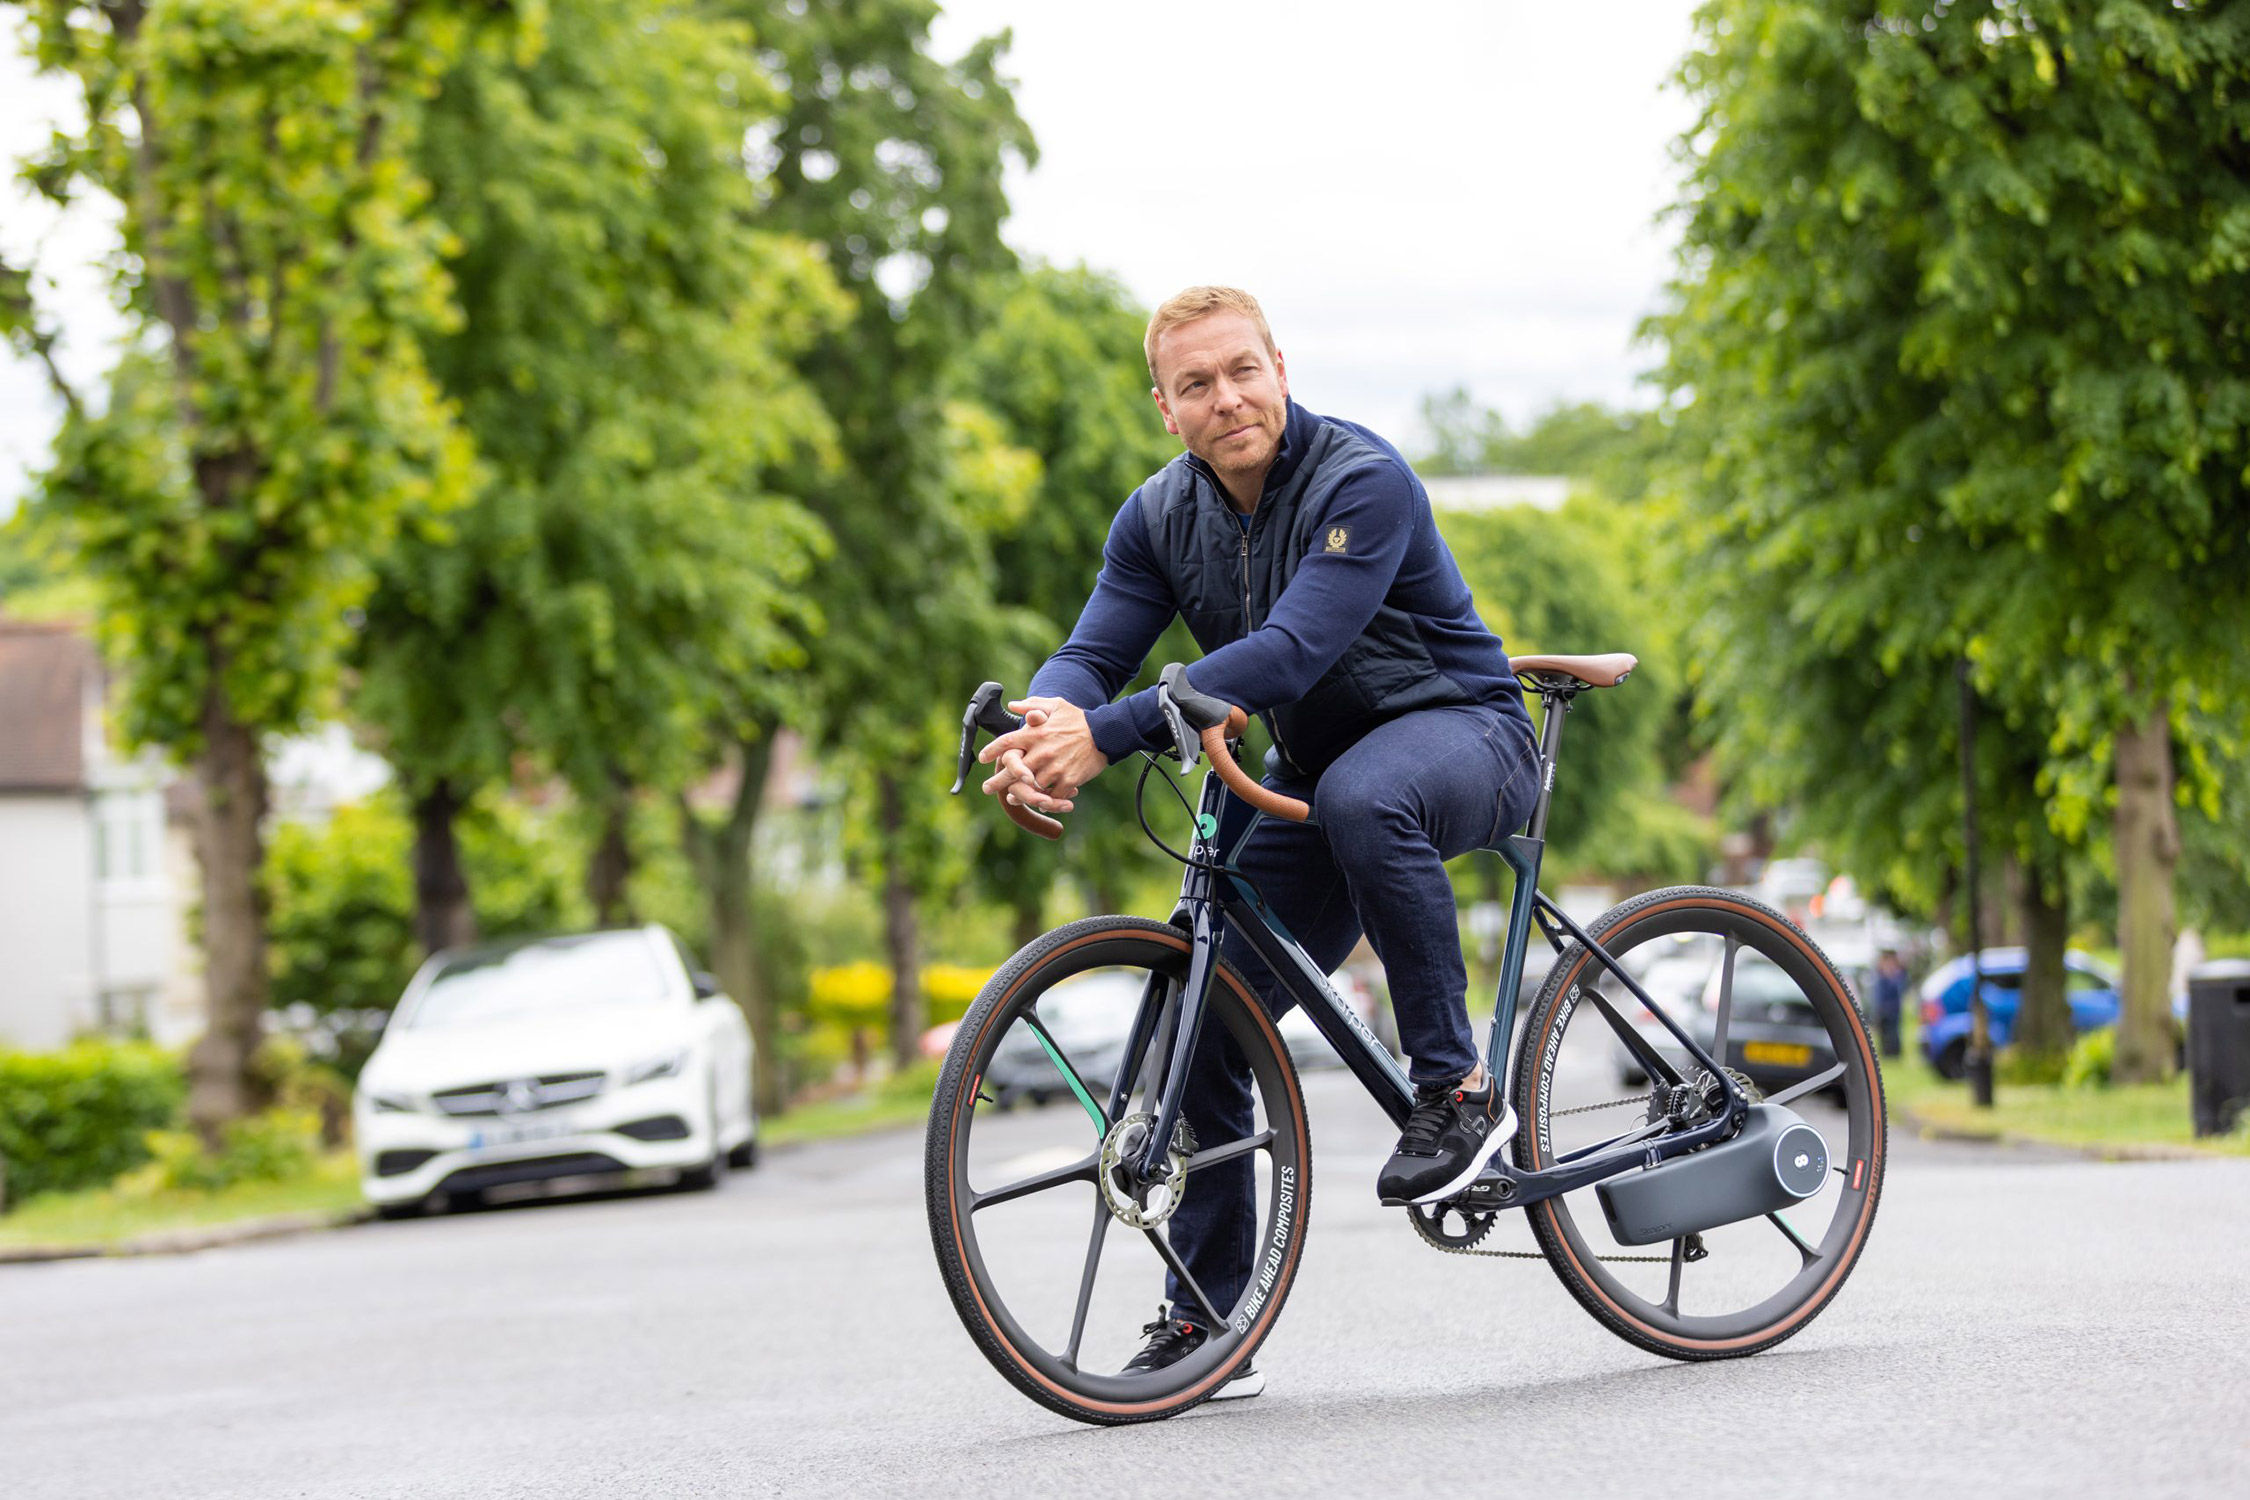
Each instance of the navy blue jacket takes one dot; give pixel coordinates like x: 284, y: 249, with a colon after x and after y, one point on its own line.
x: 1334, y: 607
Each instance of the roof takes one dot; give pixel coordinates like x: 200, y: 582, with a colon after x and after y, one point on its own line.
x: 1495, y: 491
x: 46, y: 675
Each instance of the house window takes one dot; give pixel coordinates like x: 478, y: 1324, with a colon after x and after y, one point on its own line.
x: 128, y: 829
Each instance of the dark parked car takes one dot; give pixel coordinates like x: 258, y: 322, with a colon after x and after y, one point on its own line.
x: 1773, y: 1037
x: 1090, y: 1017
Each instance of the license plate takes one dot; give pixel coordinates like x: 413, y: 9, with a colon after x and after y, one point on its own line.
x: 516, y: 1132
x: 1777, y: 1054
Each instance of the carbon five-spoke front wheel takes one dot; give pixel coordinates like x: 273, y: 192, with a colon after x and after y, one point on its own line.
x: 1054, y: 1252
x: 1594, y: 1072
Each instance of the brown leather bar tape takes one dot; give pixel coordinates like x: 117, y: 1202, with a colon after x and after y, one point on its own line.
x: 1238, y: 781
x: 1034, y: 822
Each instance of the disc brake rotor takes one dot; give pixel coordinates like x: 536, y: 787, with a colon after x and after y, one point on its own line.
x: 1139, y: 1205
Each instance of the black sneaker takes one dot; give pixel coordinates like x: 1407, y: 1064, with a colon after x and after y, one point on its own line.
x: 1174, y: 1339
x: 1448, y: 1139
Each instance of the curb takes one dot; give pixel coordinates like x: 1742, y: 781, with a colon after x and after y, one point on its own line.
x: 1929, y: 1130
x: 186, y: 1241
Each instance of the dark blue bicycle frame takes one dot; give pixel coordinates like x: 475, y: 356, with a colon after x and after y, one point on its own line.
x: 1214, y: 896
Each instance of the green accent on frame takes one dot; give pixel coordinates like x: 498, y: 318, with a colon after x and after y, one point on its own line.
x: 1070, y: 1076
x: 1207, y: 825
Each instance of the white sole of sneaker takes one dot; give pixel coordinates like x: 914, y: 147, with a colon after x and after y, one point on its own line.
x: 1502, y: 1133
x: 1248, y: 1383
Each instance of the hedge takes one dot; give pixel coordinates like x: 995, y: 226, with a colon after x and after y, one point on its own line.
x: 78, y: 1117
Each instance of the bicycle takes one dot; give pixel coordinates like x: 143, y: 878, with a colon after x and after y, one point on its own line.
x: 1710, y: 1164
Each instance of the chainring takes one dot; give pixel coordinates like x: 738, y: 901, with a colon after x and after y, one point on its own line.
x: 1430, y: 1224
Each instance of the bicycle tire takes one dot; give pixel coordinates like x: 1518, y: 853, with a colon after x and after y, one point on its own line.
x: 952, y: 1203
x: 1567, y: 1235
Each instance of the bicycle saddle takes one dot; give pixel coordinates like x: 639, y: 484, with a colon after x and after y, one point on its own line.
x: 1587, y: 671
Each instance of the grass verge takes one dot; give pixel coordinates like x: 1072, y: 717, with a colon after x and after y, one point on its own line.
x: 2119, y: 1118
x: 106, y: 1216
x: 840, y: 1117
x: 901, y: 1099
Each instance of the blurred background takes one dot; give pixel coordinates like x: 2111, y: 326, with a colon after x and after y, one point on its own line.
x: 476, y: 472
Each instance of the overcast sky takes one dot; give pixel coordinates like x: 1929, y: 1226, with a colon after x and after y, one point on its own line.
x: 1421, y: 193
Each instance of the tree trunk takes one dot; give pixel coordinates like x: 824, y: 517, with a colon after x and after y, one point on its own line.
x: 2043, y: 1031
x: 611, y: 866
x: 2004, y: 909
x: 2147, y: 838
x: 444, y: 917
x: 1030, y: 920
x: 901, y: 930
x: 722, y: 858
x: 229, y: 850
x: 1104, y: 899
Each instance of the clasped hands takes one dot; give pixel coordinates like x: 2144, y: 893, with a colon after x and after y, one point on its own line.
x: 1043, y: 764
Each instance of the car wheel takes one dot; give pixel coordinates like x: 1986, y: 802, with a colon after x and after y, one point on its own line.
x: 744, y: 1156
x: 412, y: 1208
x: 1952, y: 1060
x: 705, y: 1175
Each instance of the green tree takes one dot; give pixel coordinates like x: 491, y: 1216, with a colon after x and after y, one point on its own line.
x: 1572, y: 581
x: 892, y: 159
x: 1957, y: 340
x: 1060, y: 365
x: 1585, y: 440
x: 272, y: 423
x: 621, y: 361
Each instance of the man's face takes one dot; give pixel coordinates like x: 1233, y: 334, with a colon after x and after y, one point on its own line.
x: 1223, y: 392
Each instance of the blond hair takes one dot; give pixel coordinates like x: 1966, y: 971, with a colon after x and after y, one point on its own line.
x: 1201, y: 302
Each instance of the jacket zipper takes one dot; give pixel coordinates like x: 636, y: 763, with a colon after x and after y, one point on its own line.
x: 1273, y: 718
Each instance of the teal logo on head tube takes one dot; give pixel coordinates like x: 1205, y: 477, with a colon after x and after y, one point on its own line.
x: 1207, y: 825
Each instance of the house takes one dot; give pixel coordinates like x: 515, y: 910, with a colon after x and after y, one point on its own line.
x: 1497, y: 491
x: 95, y: 878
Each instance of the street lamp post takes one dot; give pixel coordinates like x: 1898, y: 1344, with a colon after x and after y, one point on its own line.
x: 1979, y: 1060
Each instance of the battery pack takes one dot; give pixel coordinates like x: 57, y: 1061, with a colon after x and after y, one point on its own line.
x: 1776, y: 1161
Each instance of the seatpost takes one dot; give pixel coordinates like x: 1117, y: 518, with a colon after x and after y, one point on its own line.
x: 1550, y: 739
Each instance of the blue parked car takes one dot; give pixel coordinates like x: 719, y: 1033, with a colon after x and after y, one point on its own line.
x: 2090, y: 988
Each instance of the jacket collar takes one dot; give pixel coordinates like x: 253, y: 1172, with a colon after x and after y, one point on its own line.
x: 1296, y: 436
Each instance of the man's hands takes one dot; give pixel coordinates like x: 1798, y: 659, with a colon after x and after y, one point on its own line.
x: 1043, y: 764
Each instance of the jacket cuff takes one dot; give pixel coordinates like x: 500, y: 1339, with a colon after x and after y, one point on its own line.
x: 1116, y: 726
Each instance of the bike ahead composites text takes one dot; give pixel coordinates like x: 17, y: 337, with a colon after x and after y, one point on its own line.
x: 1703, y: 1127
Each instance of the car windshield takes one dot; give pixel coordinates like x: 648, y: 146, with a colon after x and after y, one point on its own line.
x: 1092, y: 1007
x: 1758, y: 982
x: 603, y: 968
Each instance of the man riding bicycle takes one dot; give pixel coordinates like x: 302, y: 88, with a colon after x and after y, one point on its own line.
x: 1303, y: 555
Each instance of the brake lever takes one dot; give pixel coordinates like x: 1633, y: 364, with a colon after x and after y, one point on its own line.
x: 1189, y: 745
x: 987, y: 711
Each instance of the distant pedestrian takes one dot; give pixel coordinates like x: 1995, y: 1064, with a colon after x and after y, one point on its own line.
x: 1890, y: 1000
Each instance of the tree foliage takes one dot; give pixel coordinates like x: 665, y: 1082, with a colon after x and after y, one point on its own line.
x: 272, y: 425
x: 621, y: 360
x: 1060, y: 365
x: 1583, y: 439
x: 891, y: 159
x: 1957, y: 343
x: 1577, y: 581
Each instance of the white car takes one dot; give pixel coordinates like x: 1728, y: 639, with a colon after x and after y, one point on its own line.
x: 543, y: 1058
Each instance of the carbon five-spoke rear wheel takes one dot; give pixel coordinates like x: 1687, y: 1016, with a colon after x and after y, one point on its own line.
x: 1056, y: 1258
x: 1762, y: 999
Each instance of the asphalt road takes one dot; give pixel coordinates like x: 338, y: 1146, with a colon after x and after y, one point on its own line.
x: 2022, y: 1324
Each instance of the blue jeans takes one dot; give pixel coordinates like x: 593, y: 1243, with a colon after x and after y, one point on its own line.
x: 1412, y: 794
